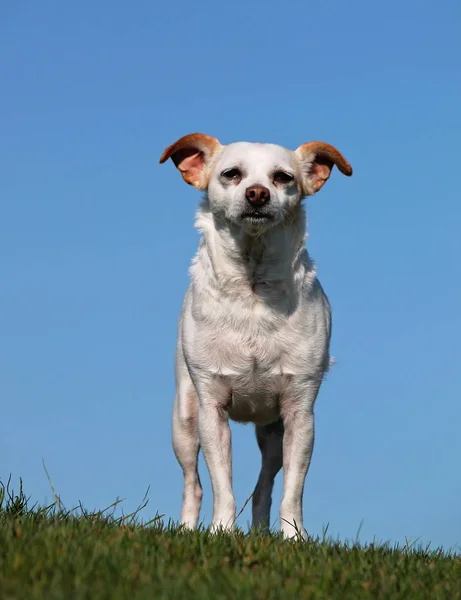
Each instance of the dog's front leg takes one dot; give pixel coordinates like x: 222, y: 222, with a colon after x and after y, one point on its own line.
x: 298, y: 443
x: 215, y: 441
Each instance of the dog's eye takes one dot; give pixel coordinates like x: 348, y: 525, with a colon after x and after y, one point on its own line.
x: 232, y: 175
x: 282, y: 177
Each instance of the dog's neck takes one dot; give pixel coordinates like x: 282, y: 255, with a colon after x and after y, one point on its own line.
x: 233, y: 260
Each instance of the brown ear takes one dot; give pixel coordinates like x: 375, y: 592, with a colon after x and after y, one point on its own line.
x: 192, y: 154
x: 318, y: 159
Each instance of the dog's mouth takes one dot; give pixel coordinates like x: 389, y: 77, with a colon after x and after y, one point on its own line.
x: 256, y: 217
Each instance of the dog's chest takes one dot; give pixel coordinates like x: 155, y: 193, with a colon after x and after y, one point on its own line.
x: 256, y: 370
x: 253, y: 352
x: 252, y: 368
x: 248, y: 355
x: 254, y: 337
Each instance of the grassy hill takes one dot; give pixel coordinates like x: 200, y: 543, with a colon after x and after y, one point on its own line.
x: 55, y: 554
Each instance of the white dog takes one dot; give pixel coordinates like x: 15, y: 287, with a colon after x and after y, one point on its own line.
x: 254, y: 332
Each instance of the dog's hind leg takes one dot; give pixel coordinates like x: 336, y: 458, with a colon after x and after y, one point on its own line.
x: 270, y: 442
x: 186, y: 447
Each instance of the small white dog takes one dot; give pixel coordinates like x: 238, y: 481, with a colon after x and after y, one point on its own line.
x: 254, y: 332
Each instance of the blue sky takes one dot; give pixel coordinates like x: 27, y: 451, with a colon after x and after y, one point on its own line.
x: 96, y: 239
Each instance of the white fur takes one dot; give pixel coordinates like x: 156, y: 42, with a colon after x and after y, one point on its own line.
x: 253, y: 339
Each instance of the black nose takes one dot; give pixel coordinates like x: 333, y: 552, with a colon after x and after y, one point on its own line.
x: 257, y: 195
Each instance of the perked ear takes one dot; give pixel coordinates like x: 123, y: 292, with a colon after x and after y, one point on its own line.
x: 317, y: 161
x: 192, y: 155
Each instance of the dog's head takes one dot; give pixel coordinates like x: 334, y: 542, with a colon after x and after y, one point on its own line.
x: 254, y: 186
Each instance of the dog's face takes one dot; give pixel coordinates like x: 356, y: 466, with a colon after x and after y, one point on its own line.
x: 254, y: 186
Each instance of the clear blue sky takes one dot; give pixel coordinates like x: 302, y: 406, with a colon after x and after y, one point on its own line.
x: 96, y: 239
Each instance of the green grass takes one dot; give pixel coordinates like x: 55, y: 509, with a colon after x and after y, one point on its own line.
x: 48, y: 552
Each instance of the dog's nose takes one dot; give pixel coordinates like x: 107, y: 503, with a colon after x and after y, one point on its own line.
x: 257, y: 195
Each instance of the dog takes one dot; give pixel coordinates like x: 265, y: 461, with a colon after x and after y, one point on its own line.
x: 255, y: 326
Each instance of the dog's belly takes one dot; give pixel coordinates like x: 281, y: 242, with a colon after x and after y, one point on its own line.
x: 255, y: 399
